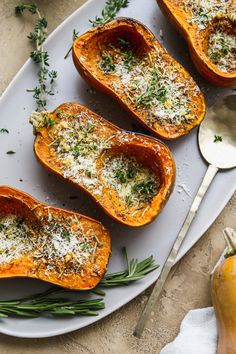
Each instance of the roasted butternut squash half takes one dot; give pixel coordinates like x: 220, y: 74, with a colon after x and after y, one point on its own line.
x: 129, y: 175
x: 209, y: 28
x: 50, y: 244
x: 223, y: 293
x: 123, y: 59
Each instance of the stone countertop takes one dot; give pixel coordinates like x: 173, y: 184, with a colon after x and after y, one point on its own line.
x: 188, y: 285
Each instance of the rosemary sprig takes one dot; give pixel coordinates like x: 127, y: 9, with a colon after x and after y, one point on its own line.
x: 46, y: 77
x: 135, y: 271
x: 112, y: 7
x: 35, y: 305
x: 110, y: 10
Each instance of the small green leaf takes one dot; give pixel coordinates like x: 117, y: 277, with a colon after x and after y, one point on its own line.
x: 3, y: 130
x: 217, y: 138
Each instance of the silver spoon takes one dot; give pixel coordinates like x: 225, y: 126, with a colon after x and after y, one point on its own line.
x: 217, y: 142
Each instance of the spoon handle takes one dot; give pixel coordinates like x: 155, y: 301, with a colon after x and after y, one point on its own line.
x: 210, y: 174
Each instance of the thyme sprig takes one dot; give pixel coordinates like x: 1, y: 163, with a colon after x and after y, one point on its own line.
x: 37, y: 304
x: 46, y: 77
x: 74, y: 37
x: 112, y: 7
x: 109, y: 12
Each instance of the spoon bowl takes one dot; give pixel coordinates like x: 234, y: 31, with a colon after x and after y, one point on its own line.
x: 217, y: 134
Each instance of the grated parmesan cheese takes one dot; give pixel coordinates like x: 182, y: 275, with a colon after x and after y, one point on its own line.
x: 203, y: 11
x: 14, y: 238
x: 56, y: 244
x: 149, y: 86
x: 135, y: 184
x: 79, y: 142
x: 222, y: 50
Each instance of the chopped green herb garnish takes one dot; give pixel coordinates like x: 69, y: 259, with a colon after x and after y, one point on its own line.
x: 3, y: 130
x: 107, y: 63
x: 145, y: 188
x: 58, y: 112
x: 66, y: 234
x: 217, y: 138
x: 152, y: 92
x: 76, y: 151
x: 89, y: 174
x: 121, y: 176
x: 50, y: 122
x: 123, y: 43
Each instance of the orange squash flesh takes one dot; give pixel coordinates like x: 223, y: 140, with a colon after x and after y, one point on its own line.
x: 64, y: 270
x: 161, y: 117
x: 198, y: 39
x: 223, y: 294
x: 111, y: 143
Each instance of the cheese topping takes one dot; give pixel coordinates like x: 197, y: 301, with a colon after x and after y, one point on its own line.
x: 203, y: 11
x: 56, y: 244
x: 14, y: 238
x: 222, y: 50
x: 78, y: 145
x: 79, y: 142
x: 148, y: 85
x: 135, y: 184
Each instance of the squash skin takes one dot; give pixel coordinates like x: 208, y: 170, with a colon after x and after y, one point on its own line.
x: 223, y: 293
x: 151, y: 151
x: 15, y: 202
x: 86, y: 67
x: 196, y: 41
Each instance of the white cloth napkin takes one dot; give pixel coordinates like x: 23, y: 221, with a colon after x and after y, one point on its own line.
x: 198, y: 334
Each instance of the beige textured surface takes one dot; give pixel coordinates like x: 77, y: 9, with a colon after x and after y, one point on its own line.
x: 188, y: 285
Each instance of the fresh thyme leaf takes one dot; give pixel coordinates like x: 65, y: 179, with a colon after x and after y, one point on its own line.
x: 11, y: 152
x: 123, y: 43
x: 3, y: 130
x: 107, y: 64
x: 30, y: 7
x: 217, y: 138
x: 66, y: 234
x: 152, y: 92
x: 50, y: 122
x: 146, y: 189
x: 46, y: 77
x: 109, y: 12
x: 74, y: 37
x: 35, y: 305
x: 121, y: 176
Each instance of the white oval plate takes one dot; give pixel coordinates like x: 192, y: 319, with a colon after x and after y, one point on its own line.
x: 157, y: 238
